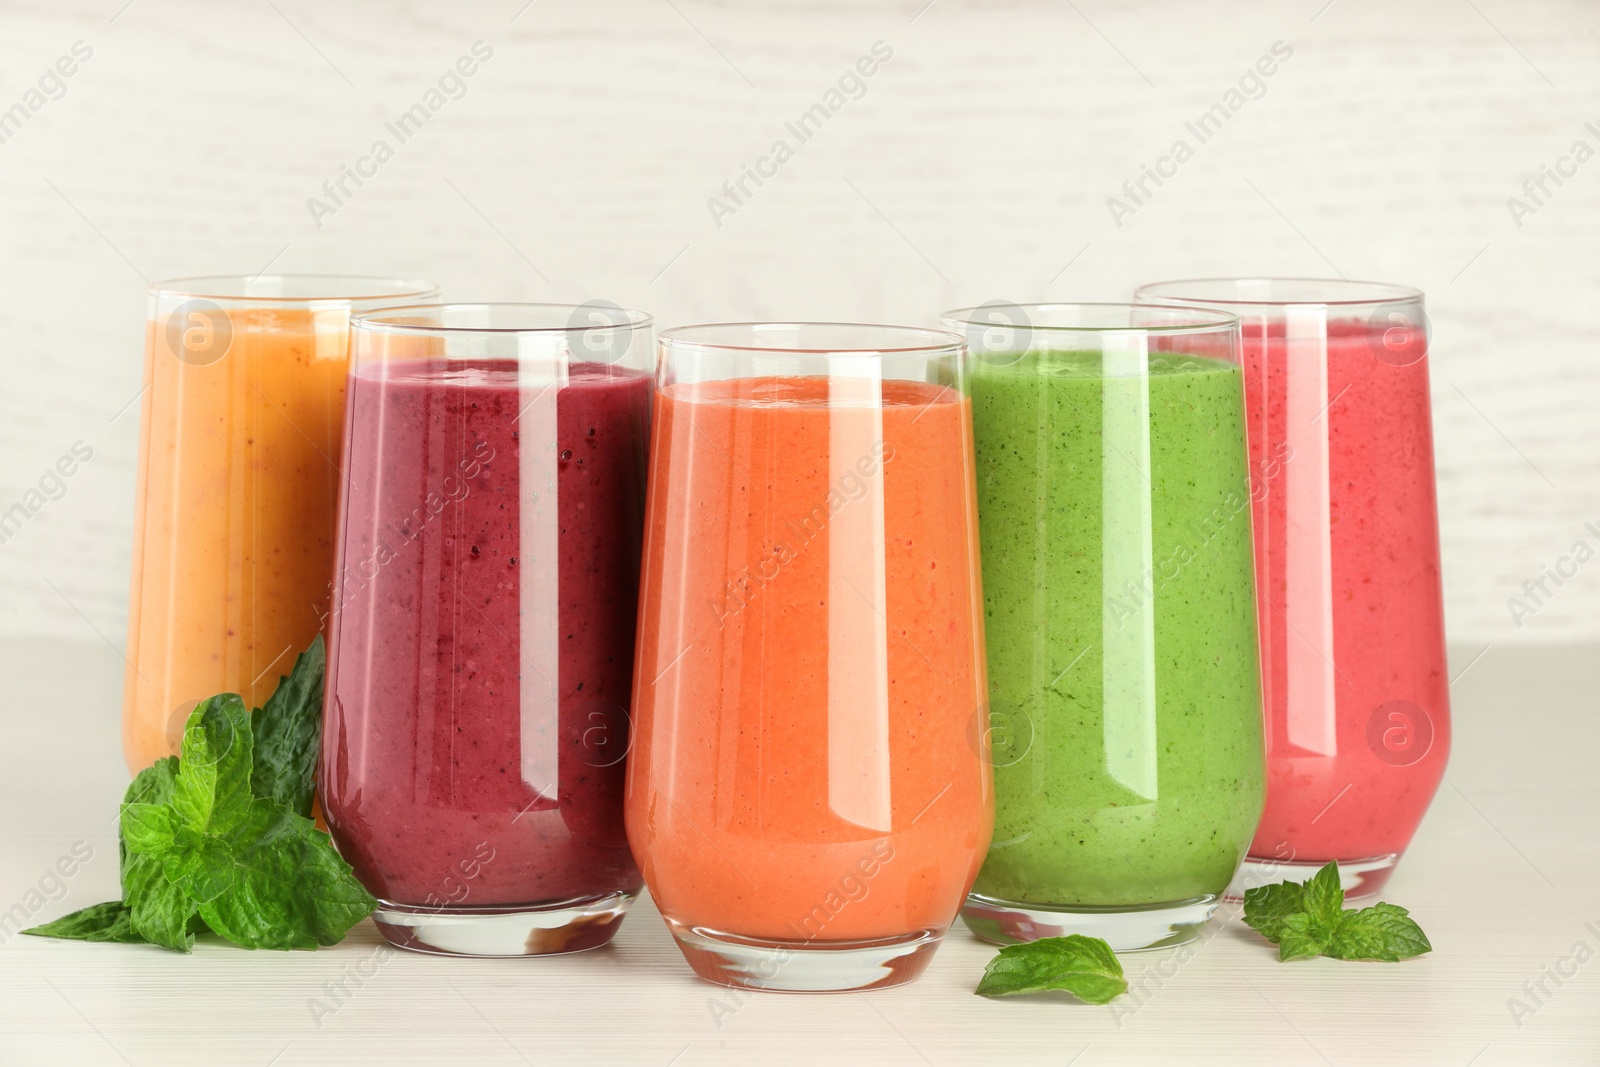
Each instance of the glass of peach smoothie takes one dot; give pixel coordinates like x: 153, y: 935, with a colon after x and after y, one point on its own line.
x: 809, y: 797
x: 242, y: 417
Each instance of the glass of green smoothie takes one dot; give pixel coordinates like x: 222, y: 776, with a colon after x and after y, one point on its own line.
x: 1124, y: 671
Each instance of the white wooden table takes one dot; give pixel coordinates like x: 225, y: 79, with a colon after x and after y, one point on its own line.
x: 1503, y: 877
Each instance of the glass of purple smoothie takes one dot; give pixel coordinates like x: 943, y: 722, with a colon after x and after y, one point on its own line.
x: 484, y: 605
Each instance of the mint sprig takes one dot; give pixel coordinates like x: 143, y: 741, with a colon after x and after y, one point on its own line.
x: 1310, y: 920
x: 1083, y: 966
x: 218, y: 838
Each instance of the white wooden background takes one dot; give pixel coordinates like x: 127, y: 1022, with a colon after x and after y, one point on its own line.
x: 976, y: 166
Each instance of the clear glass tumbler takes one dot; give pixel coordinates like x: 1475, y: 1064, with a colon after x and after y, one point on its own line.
x: 476, y: 722
x: 1113, y: 498
x: 1347, y: 563
x: 243, y: 405
x: 808, y: 795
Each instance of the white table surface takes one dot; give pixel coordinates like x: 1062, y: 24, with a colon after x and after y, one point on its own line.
x: 1503, y: 876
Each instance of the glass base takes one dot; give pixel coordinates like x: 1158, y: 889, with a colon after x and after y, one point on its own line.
x: 1125, y: 929
x: 511, y: 930
x: 805, y: 966
x: 1360, y: 878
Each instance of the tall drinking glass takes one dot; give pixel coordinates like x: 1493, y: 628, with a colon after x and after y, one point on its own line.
x: 479, y: 677
x: 808, y: 795
x: 1347, y: 564
x: 1124, y: 684
x: 243, y: 404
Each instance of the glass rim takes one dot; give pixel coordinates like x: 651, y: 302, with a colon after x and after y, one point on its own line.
x: 1394, y: 293
x: 941, y: 341
x: 339, y: 287
x: 1217, y: 319
x: 377, y: 320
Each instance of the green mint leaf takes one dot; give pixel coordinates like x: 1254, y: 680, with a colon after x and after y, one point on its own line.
x: 288, y: 731
x: 1303, y: 936
x: 202, y: 868
x: 153, y: 785
x: 1083, y: 966
x: 147, y: 828
x: 213, y: 783
x: 283, y: 885
x: 1383, y: 932
x: 1324, y: 898
x: 1267, y: 906
x: 160, y: 912
x: 111, y: 921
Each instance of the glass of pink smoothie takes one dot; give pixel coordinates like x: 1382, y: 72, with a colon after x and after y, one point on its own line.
x: 1349, y: 600
x: 484, y: 607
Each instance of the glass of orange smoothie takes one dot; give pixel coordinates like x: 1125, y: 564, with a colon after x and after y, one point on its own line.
x: 809, y: 796
x: 243, y: 409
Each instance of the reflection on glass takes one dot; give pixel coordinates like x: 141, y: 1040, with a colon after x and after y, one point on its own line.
x: 807, y: 794
x: 1114, y: 506
x: 484, y: 616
